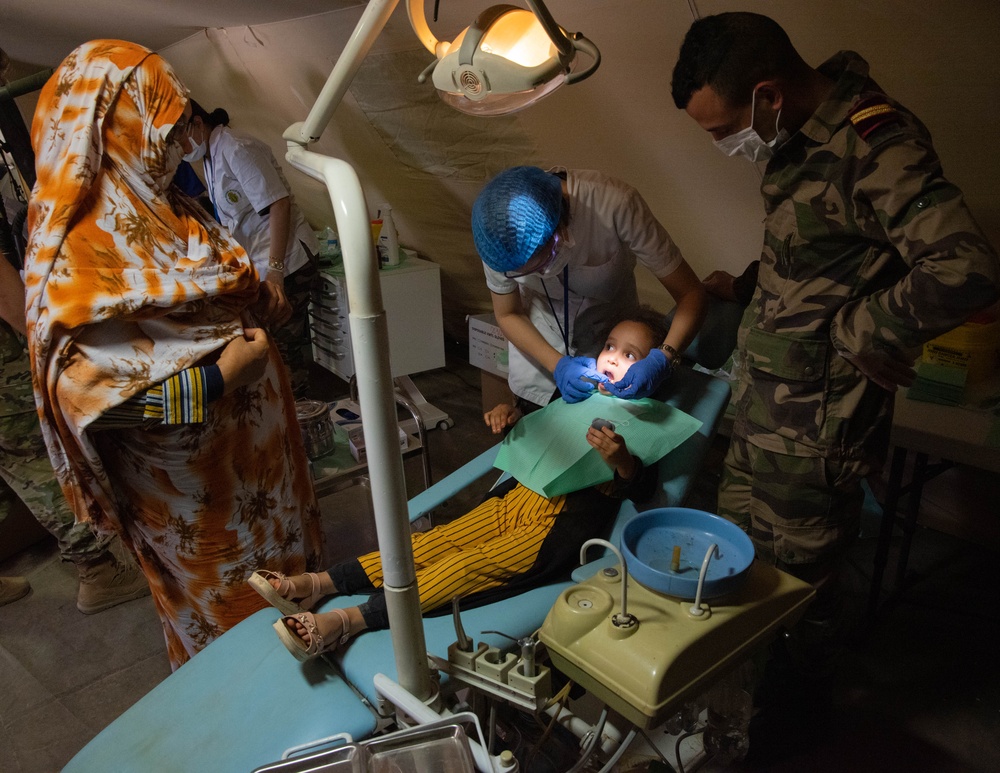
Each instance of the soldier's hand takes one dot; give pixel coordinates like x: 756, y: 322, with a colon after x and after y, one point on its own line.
x: 889, y: 369
x: 721, y: 285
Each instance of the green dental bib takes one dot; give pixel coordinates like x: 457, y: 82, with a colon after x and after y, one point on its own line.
x: 547, y: 451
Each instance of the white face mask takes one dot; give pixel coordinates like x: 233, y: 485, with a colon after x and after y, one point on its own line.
x: 197, y: 151
x: 748, y: 143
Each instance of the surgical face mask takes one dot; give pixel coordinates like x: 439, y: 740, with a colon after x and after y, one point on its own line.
x: 197, y: 151
x: 559, y: 262
x: 749, y: 144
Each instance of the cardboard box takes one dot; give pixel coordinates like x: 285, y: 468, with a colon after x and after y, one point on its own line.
x: 487, y: 345
x: 495, y: 391
x: 356, y: 442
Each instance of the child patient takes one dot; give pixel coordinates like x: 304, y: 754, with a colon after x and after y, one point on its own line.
x: 514, y: 540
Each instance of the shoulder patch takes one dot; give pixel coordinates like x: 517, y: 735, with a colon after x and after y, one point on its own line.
x: 871, y: 113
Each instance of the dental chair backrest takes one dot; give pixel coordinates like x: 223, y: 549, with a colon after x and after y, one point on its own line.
x: 699, y: 394
x: 716, y: 340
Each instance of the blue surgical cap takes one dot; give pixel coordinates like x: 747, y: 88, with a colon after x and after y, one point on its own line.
x: 515, y: 214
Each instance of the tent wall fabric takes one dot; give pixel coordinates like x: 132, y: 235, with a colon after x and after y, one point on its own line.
x: 429, y: 162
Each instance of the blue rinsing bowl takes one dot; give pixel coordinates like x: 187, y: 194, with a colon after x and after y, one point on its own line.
x: 648, y: 542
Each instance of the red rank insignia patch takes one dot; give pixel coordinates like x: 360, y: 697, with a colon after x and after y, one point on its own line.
x: 871, y: 113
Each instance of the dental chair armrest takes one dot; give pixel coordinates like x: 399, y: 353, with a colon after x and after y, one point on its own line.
x: 445, y: 489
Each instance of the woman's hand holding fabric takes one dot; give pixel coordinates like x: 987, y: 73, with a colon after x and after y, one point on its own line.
x: 243, y: 360
x: 272, y: 304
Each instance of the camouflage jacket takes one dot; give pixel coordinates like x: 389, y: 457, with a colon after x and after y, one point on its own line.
x: 866, y: 246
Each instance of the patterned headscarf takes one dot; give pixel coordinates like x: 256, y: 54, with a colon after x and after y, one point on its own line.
x: 128, y: 281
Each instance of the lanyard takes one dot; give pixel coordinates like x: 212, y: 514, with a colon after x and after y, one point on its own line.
x: 210, y: 177
x: 564, y: 327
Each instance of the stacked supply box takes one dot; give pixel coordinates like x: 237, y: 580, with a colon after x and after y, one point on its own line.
x: 973, y: 347
x: 488, y: 352
x: 487, y: 345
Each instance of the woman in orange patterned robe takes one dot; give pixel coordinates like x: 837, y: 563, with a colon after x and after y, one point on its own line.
x: 133, y: 293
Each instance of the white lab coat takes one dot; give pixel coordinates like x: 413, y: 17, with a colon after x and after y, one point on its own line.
x: 610, y: 228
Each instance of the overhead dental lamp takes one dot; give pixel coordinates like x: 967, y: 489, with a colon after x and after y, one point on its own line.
x: 507, y: 59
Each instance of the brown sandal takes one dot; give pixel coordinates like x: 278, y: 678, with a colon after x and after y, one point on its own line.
x: 280, y: 598
x: 303, y: 650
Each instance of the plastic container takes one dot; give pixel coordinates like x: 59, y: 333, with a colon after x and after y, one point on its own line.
x: 727, y: 731
x: 388, y: 240
x: 329, y: 245
x: 317, y: 427
x: 649, y: 539
x: 973, y: 346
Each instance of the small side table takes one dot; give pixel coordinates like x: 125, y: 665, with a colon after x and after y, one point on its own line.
x: 339, y: 469
x: 951, y: 434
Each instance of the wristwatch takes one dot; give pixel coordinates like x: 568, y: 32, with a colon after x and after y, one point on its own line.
x: 671, y: 352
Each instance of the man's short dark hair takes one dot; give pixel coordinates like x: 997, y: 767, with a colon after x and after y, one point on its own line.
x: 731, y: 53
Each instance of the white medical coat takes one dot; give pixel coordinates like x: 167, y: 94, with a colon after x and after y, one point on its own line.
x: 610, y: 228
x: 244, y: 179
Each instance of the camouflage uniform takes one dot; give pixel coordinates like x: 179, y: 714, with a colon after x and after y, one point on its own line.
x: 25, y: 468
x: 867, y: 246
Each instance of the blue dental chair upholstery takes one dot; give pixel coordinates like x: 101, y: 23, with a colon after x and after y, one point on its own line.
x: 244, y: 699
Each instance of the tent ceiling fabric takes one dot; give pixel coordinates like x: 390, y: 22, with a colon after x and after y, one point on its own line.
x: 43, y: 32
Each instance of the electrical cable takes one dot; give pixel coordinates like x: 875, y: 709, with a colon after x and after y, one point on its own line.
x: 492, y: 727
x: 677, y: 747
x: 559, y: 696
x: 548, y: 729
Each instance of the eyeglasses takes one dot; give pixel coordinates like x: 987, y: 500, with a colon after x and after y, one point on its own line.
x: 544, y: 257
x: 179, y: 130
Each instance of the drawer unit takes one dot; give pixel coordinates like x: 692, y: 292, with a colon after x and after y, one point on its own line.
x: 330, y: 326
x: 411, y: 295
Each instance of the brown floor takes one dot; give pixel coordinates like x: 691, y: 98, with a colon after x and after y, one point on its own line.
x: 920, y: 693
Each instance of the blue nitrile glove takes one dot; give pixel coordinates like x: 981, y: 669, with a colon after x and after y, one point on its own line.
x: 570, y: 374
x: 644, y: 377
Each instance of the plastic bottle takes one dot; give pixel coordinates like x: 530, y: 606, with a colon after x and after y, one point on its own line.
x: 329, y: 246
x: 388, y: 240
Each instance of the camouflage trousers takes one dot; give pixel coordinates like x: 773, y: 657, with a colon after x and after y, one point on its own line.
x: 292, y: 338
x: 802, y: 513
x: 797, y: 510
x: 25, y: 470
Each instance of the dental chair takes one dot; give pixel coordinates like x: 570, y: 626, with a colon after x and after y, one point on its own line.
x: 244, y: 700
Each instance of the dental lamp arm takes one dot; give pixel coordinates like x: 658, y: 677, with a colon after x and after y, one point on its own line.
x: 373, y: 20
